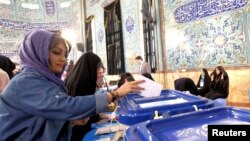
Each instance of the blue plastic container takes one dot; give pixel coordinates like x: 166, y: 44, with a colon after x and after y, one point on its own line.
x: 135, y: 108
x: 189, y: 126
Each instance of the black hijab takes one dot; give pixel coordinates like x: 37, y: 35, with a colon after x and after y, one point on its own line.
x: 7, y: 65
x: 205, y: 72
x: 82, y: 79
x: 123, y: 77
x: 216, y: 76
x: 186, y: 84
x: 207, y: 79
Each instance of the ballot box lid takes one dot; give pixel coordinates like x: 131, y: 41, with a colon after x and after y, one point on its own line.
x: 134, y: 108
x: 189, y: 126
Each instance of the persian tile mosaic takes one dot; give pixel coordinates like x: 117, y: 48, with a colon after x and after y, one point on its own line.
x: 130, y: 27
x: 131, y: 33
x: 130, y: 24
x: 16, y: 17
x: 93, y: 7
x: 203, y: 8
x: 217, y: 38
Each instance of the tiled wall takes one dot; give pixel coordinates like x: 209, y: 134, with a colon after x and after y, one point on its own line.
x: 16, y: 19
x: 208, y: 33
x: 93, y: 7
x: 130, y: 30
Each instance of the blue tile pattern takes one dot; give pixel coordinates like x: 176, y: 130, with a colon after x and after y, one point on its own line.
x: 17, y: 25
x: 16, y: 18
x: 220, y: 39
x: 130, y: 27
x: 202, y: 8
x: 100, y: 35
x: 130, y: 24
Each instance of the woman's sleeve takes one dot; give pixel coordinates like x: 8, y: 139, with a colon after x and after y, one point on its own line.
x: 47, y: 100
x: 224, y: 85
x: 207, y: 82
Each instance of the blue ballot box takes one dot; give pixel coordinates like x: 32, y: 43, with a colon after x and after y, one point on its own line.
x: 190, y: 126
x: 135, y: 108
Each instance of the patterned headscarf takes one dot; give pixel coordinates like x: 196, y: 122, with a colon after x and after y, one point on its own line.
x: 34, y: 53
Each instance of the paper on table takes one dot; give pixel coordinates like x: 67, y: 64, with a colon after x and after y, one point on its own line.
x: 111, y: 129
x: 151, y: 88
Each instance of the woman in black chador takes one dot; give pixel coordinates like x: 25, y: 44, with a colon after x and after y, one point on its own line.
x: 186, y: 84
x: 82, y: 81
x: 219, y: 84
x: 204, y: 82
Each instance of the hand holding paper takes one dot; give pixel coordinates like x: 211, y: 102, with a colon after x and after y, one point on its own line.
x: 151, y: 88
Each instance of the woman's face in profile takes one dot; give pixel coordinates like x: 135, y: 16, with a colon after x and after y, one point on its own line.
x: 57, y: 57
x: 100, y: 73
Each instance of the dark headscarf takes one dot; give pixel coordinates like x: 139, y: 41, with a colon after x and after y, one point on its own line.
x: 7, y: 65
x: 205, y: 72
x: 186, y: 84
x: 123, y: 77
x: 217, y: 77
x: 207, y: 78
x: 148, y: 75
x: 82, y: 79
x: 34, y: 53
x: 206, y: 83
x: 219, y: 84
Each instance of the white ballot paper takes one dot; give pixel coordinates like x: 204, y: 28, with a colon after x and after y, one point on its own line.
x: 151, y: 88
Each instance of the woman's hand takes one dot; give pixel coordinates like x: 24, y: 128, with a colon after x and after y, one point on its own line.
x: 129, y: 87
x: 80, y: 121
x: 104, y: 116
